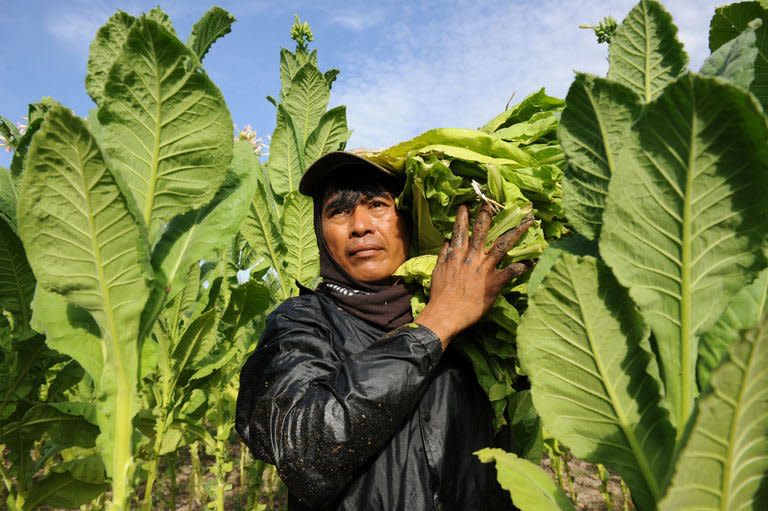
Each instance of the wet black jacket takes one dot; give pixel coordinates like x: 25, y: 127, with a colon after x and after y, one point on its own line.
x: 356, y: 418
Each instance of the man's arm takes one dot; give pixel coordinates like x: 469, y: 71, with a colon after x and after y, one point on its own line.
x: 319, y: 418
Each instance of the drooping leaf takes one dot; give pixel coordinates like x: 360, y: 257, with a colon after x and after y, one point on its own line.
x: 302, y: 260
x: 595, y: 122
x: 200, y: 233
x: 286, y: 156
x: 84, y: 242
x: 8, y: 199
x: 683, y: 227
x: 167, y: 130
x: 724, y: 464
x: 331, y: 134
x: 530, y: 487
x: 645, y: 54
x: 105, y: 49
x: 743, y: 312
x: 17, y: 282
x: 593, y: 380
x: 735, y: 60
x: 215, y: 24
x: 732, y: 25
x: 306, y: 101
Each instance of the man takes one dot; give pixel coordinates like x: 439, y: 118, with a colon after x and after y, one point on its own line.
x: 359, y: 405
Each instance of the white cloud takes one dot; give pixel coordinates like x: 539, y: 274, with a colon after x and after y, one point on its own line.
x: 75, y: 24
x: 356, y: 21
x: 460, y: 65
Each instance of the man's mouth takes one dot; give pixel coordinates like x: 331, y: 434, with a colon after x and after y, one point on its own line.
x: 364, y: 250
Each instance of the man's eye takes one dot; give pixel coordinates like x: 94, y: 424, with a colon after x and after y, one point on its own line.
x: 337, y: 212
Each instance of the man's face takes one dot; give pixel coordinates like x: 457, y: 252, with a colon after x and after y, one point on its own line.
x: 368, y: 240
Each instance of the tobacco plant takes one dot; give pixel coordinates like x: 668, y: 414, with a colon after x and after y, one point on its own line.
x: 632, y: 336
x: 109, y: 209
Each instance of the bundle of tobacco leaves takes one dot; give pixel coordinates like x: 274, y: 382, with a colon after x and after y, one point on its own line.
x: 515, y: 164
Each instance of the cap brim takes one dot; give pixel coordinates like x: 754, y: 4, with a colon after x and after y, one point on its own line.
x: 313, y: 180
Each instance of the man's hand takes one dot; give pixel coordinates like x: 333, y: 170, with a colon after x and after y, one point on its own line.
x: 466, y: 280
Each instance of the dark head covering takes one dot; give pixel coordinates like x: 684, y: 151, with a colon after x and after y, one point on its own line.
x: 386, y: 303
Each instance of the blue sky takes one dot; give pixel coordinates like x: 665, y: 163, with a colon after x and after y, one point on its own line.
x: 406, y: 66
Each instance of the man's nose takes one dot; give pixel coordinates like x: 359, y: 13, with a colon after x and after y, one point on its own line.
x: 361, y: 221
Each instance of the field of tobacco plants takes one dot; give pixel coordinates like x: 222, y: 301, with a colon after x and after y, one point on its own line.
x: 141, y: 249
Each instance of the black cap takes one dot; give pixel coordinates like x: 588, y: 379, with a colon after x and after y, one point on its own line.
x: 313, y: 180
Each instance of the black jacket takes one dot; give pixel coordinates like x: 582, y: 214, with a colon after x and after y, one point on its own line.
x: 356, y: 418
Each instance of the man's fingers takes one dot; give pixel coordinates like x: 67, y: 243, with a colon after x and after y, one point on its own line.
x: 480, y: 229
x: 446, y: 252
x: 508, y: 240
x: 513, y: 271
x: 459, y: 238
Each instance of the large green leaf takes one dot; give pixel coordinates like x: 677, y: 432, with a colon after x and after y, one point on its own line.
x: 743, y: 312
x: 167, y: 130
x: 286, y: 156
x: 200, y: 233
x: 724, y: 464
x: 302, y: 260
x: 17, y: 282
x: 684, y: 223
x: 730, y: 20
x: 306, y: 101
x: 215, y: 24
x: 596, y: 119
x: 105, y: 49
x: 84, y: 242
x: 531, y: 488
x: 593, y: 379
x: 331, y: 134
x: 645, y: 54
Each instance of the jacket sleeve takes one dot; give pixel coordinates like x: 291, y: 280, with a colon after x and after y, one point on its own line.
x: 319, y: 418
